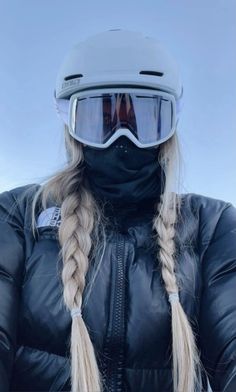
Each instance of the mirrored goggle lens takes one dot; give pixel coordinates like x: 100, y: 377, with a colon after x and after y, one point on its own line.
x: 96, y: 118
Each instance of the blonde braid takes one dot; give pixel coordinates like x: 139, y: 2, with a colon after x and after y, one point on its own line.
x: 77, y: 222
x: 186, y: 360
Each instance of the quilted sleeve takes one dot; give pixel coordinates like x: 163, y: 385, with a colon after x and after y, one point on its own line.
x: 217, y: 323
x: 11, y: 272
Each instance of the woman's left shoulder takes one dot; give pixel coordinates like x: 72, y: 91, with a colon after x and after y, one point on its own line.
x: 206, y: 207
x: 205, y: 204
x: 215, y: 216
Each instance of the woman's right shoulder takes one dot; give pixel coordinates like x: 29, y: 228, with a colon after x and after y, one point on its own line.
x: 14, y: 202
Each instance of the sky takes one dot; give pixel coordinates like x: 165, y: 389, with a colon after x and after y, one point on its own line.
x: 34, y: 39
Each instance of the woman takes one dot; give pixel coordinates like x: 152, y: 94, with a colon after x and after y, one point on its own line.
x: 111, y: 280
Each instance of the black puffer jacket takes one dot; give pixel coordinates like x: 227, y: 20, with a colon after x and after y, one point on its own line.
x: 128, y: 313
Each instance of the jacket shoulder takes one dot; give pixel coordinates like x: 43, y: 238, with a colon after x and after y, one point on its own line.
x: 14, y: 202
x: 209, y: 212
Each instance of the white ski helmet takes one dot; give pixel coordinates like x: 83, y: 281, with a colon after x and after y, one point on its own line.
x: 115, y: 58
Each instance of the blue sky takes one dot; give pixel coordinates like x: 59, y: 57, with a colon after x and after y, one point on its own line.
x: 201, y: 35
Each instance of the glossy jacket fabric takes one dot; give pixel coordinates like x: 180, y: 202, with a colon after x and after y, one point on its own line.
x: 128, y: 314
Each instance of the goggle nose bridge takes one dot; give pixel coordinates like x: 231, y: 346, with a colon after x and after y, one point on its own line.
x: 118, y: 102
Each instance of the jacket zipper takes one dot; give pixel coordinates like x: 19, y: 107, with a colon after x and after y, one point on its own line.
x: 114, y: 344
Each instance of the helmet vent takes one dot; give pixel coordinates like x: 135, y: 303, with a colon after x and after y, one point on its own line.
x: 155, y: 73
x: 73, y: 77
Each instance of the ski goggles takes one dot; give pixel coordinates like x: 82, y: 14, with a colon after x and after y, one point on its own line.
x: 97, y: 117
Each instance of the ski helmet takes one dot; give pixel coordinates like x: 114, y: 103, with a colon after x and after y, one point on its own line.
x: 118, y: 57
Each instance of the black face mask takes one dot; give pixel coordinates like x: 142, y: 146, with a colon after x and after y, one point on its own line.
x: 123, y: 173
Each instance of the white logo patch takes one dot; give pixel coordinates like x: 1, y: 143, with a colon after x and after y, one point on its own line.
x: 49, y: 217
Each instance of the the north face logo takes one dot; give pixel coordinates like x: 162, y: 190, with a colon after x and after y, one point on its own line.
x: 49, y: 217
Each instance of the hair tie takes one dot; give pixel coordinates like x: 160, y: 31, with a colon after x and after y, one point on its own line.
x: 174, y: 297
x: 76, y: 312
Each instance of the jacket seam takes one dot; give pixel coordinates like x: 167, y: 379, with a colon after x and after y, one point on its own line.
x: 229, y: 382
x: 42, y: 351
x: 17, y: 206
x: 215, y: 228
x: 4, y: 220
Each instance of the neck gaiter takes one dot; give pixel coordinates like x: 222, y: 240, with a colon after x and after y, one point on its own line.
x: 124, y: 174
